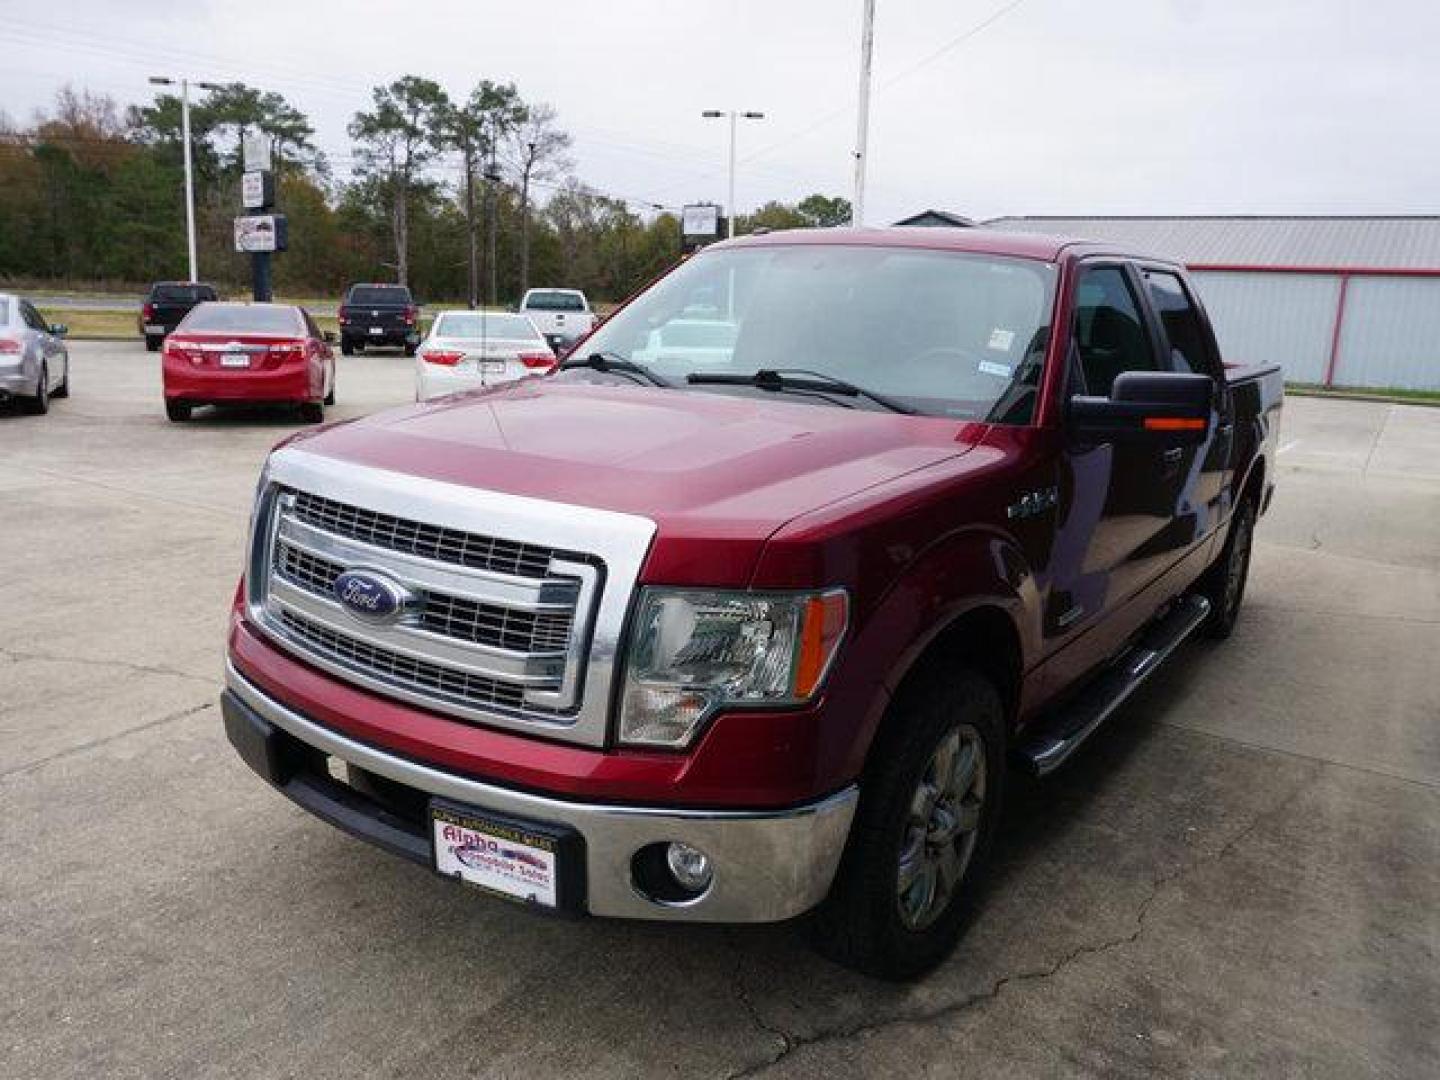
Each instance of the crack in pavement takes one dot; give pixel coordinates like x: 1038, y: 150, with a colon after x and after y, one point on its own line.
x: 71, y: 751
x: 790, y: 1043
x: 17, y: 655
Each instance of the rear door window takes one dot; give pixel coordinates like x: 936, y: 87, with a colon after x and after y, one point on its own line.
x: 33, y: 318
x: 1110, y: 334
x: 1179, y: 318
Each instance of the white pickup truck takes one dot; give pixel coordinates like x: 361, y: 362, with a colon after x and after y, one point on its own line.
x: 563, y: 316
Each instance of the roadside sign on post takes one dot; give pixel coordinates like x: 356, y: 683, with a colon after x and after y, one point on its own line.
x: 700, y: 222
x: 257, y: 189
x: 256, y: 148
x: 257, y: 233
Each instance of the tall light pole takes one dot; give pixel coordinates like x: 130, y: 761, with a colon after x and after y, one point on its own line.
x: 161, y: 80
x: 862, y: 120
x: 715, y: 114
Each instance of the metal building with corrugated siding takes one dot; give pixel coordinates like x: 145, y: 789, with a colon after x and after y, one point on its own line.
x: 1342, y: 301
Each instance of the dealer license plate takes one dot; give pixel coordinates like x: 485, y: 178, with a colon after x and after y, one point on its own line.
x: 507, y: 859
x: 493, y: 367
x: 234, y: 359
x: 377, y: 330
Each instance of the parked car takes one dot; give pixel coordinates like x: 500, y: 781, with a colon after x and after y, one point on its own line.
x: 379, y: 315
x: 34, y: 363
x: 744, y: 644
x: 471, y: 349
x: 248, y: 354
x: 166, y: 305
x: 563, y: 316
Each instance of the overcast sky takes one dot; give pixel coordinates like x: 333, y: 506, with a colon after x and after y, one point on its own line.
x: 1055, y: 106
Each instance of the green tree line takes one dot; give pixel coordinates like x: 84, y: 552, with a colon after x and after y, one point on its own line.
x: 471, y: 199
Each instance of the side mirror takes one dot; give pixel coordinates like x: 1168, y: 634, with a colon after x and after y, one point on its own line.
x: 59, y: 329
x: 1162, y: 408
x: 329, y: 337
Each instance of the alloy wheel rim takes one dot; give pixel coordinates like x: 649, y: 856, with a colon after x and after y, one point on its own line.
x: 941, y: 828
x: 1239, y: 561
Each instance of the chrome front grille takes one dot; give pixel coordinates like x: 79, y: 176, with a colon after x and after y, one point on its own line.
x: 504, y: 611
x: 447, y: 616
x: 404, y: 670
x: 427, y: 541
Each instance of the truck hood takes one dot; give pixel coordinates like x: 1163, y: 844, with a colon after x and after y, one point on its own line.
x: 709, y: 468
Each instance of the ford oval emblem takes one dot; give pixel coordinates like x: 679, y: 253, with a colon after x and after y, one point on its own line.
x: 371, y: 596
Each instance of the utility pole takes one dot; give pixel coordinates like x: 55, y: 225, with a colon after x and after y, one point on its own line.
x: 862, y: 119
x: 715, y: 114
x: 161, y: 80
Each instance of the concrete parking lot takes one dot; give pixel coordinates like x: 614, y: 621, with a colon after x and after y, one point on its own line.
x: 1240, y: 876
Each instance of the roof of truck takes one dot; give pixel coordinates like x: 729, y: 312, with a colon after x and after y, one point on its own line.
x: 978, y: 241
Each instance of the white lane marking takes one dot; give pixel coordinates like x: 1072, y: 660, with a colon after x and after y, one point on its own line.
x: 1288, y: 446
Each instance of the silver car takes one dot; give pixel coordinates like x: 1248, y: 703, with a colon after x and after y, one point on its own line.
x: 34, y: 364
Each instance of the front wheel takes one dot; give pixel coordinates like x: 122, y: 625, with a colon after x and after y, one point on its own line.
x: 152, y: 343
x: 1224, y: 583
x: 929, y: 805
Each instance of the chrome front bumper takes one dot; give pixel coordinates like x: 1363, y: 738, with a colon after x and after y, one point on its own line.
x: 769, y: 865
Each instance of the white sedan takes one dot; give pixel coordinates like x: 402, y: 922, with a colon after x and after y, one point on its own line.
x: 467, y: 350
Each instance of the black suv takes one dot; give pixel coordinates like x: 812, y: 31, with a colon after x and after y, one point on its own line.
x: 166, y: 304
x: 379, y: 315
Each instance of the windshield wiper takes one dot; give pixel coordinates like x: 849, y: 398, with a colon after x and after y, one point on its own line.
x: 781, y: 379
x: 608, y: 362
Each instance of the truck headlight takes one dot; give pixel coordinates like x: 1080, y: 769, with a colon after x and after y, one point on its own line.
x: 692, y: 653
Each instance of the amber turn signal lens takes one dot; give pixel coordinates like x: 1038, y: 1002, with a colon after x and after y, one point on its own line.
x: 820, y: 634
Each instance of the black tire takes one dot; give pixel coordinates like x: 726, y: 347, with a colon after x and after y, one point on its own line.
x: 860, y: 924
x: 152, y: 343
x: 330, y: 397
x: 312, y: 412
x: 177, y: 411
x: 39, y: 405
x: 63, y: 390
x: 346, y: 348
x: 410, y: 350
x: 358, y: 346
x: 1224, y: 582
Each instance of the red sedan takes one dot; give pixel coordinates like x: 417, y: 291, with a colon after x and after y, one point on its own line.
x: 250, y: 354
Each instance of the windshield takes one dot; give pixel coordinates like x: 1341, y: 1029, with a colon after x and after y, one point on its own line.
x: 379, y: 294
x: 551, y: 300
x: 474, y: 324
x: 944, y: 333
x: 243, y: 319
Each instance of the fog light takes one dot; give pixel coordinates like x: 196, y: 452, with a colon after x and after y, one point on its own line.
x: 690, y: 865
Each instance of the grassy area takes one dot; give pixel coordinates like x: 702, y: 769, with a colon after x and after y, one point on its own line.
x: 94, y: 324
x: 1366, y: 393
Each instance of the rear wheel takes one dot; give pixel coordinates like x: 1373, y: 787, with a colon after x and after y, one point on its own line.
x: 1224, y: 583
x: 177, y: 411
x: 346, y: 348
x: 39, y: 405
x: 411, y: 349
x: 152, y: 343
x: 63, y: 390
x: 929, y: 804
x: 312, y: 412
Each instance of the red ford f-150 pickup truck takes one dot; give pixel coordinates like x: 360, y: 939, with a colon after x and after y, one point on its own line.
x: 741, y: 636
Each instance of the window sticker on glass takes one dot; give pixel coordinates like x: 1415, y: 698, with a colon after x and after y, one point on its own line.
x: 1002, y: 339
x: 989, y: 367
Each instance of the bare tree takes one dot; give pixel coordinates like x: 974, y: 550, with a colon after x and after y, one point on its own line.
x: 394, y: 144
x: 538, y: 155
